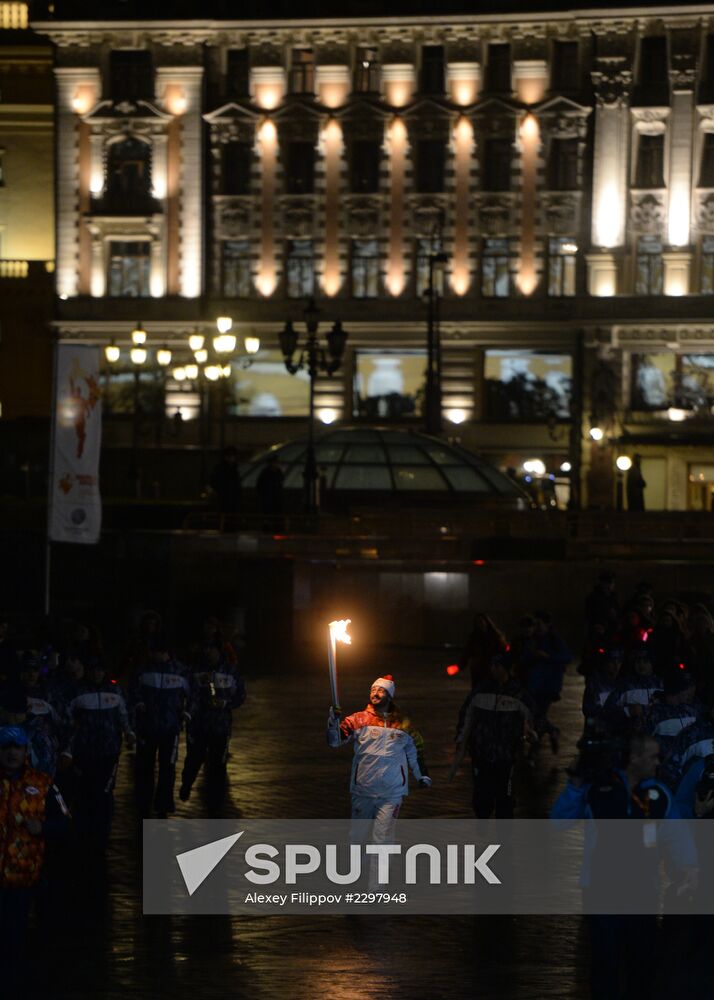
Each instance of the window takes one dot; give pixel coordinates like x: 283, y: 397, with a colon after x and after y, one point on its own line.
x: 649, y: 266
x: 238, y: 74
x: 495, y: 273
x: 565, y: 74
x: 706, y: 171
x: 430, y: 156
x: 129, y: 269
x: 389, y: 384
x: 237, y: 164
x: 128, y: 169
x: 650, y: 162
x: 706, y: 86
x: 237, y: 278
x: 366, y: 157
x: 300, y: 168
x: 708, y: 265
x: 563, y: 165
x: 302, y: 72
x: 365, y: 269
x: 366, y: 77
x: 425, y: 251
x: 131, y: 74
x: 267, y: 389
x: 496, y: 166
x: 562, y: 252
x: 498, y: 69
x: 653, y: 60
x: 667, y: 379
x: 432, y: 69
x: 652, y: 83
x: 527, y: 385
x: 300, y: 269
x: 123, y: 394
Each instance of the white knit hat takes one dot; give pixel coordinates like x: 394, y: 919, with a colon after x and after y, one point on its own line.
x: 386, y: 682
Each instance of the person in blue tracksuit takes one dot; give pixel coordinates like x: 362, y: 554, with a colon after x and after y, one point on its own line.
x: 160, y: 693
x: 624, y: 946
x: 601, y: 682
x: 43, y: 722
x: 544, y: 663
x: 634, y: 692
x: 495, y: 725
x: 216, y: 690
x: 688, y: 748
x: 99, y: 721
x: 673, y: 711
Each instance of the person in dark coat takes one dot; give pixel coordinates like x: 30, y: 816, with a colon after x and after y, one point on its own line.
x: 484, y: 643
x: 636, y: 485
x: 225, y: 482
x: 270, y: 487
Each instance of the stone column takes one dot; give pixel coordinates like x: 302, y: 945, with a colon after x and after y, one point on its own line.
x: 612, y: 83
x: 77, y: 91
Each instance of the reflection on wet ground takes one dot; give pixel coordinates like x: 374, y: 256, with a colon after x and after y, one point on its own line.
x: 100, y: 945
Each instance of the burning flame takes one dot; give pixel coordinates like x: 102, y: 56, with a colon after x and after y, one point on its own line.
x: 339, y: 633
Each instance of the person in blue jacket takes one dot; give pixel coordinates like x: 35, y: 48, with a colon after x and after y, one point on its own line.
x: 99, y: 722
x: 623, y: 947
x: 545, y: 662
x: 160, y: 694
x: 216, y: 690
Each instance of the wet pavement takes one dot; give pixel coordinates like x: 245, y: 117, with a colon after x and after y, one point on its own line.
x: 280, y: 766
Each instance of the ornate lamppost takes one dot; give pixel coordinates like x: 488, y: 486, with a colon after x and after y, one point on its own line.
x: 316, y: 360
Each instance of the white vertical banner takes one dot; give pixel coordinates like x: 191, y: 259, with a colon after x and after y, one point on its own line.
x: 75, y: 504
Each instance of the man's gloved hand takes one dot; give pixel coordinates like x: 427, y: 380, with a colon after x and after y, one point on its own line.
x: 425, y: 782
x: 333, y: 719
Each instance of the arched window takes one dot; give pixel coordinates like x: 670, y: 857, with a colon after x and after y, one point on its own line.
x: 129, y: 168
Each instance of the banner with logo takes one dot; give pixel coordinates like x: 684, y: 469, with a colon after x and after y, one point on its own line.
x: 75, y: 513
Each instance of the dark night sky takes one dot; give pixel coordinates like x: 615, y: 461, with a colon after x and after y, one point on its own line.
x: 247, y: 9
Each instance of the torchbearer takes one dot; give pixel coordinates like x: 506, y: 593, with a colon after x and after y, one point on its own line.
x: 385, y: 747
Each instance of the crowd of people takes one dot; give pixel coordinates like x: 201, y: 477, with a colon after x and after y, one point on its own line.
x: 65, y: 719
x: 647, y: 735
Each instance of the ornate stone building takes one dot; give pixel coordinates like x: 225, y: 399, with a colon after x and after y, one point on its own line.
x: 562, y: 166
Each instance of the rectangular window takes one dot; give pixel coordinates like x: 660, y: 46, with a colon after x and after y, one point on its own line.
x: 665, y: 379
x: 495, y: 271
x: 565, y: 72
x: 267, y: 389
x: 649, y: 266
x: 706, y: 86
x: 388, y: 385
x: 653, y: 60
x: 425, y: 252
x: 525, y: 385
x: 122, y: 394
x: 706, y: 171
x: 652, y: 81
x: 237, y: 164
x: 431, y: 80
x: 365, y: 269
x: 563, y: 165
x: 300, y: 269
x: 430, y: 165
x: 496, y: 165
x: 364, y: 166
x: 650, y: 161
x: 300, y: 168
x: 131, y: 75
x: 129, y: 269
x: 498, y: 69
x: 302, y: 72
x: 237, y: 263
x: 562, y: 257
x: 238, y: 74
x: 366, y: 76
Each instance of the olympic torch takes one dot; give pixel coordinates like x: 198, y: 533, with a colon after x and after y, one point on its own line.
x: 337, y: 632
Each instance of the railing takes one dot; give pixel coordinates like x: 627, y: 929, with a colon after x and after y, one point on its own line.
x: 13, y: 16
x: 24, y: 268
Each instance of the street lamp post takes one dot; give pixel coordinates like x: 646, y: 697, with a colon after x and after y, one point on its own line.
x: 432, y: 402
x: 313, y: 357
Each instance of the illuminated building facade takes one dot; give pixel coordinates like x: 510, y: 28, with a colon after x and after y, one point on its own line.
x: 564, y: 165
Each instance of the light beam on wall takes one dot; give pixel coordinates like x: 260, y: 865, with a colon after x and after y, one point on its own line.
x: 608, y: 211
x: 678, y: 228
x: 397, y: 146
